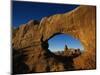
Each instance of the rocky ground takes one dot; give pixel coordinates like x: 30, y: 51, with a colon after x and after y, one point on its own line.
x: 57, y: 61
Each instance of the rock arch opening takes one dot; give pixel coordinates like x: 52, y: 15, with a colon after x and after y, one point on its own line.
x: 59, y: 42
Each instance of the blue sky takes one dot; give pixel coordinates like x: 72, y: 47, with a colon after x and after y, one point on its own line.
x: 58, y: 42
x: 22, y: 12
x: 25, y: 11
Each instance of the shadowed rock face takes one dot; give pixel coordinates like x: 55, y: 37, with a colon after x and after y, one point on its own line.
x: 30, y: 42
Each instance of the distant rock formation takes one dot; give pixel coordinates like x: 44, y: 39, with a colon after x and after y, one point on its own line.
x: 71, y: 52
x: 66, y: 48
x: 30, y: 42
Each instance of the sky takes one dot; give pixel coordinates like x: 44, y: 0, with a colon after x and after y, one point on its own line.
x: 58, y: 42
x: 25, y: 11
x: 22, y: 12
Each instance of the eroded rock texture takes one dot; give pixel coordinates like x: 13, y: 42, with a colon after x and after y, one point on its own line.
x: 30, y: 42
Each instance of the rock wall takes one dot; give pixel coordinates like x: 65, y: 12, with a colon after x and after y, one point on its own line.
x: 31, y: 40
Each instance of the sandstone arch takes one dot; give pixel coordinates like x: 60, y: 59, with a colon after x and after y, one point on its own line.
x: 80, y: 23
